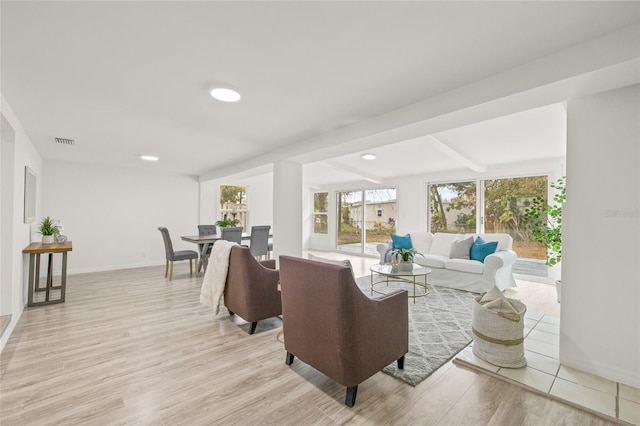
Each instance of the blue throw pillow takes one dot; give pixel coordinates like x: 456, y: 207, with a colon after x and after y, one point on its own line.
x: 401, y: 242
x: 481, y: 249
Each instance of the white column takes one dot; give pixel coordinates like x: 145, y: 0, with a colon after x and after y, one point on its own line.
x: 600, y: 315
x: 287, y: 208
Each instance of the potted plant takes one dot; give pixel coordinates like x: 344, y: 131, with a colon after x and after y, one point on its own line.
x: 404, y: 258
x: 546, y: 224
x: 48, y: 230
x: 223, y: 223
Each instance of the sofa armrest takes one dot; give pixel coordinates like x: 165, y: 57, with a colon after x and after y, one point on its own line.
x: 383, y: 249
x: 497, y: 269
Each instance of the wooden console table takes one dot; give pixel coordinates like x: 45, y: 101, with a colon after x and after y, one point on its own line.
x: 34, y: 250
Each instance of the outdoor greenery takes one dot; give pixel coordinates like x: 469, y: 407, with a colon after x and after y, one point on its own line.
x: 47, y: 227
x: 546, y: 221
x: 232, y: 194
x: 465, y: 199
x: 377, y: 227
x: 232, y: 205
x: 227, y: 222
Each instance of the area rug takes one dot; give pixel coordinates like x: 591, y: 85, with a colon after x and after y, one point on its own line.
x: 439, y: 328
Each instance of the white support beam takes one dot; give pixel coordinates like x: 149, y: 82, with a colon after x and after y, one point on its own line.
x: 442, y: 145
x: 363, y: 175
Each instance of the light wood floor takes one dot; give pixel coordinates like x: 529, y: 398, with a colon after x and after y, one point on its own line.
x: 130, y: 347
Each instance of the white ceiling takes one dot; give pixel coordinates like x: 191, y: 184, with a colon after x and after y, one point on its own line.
x: 130, y: 78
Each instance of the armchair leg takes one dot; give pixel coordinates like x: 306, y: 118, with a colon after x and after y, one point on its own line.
x: 166, y: 268
x: 253, y: 327
x: 190, y: 267
x: 350, y: 400
x: 401, y: 363
x: 171, y: 271
x: 289, y: 359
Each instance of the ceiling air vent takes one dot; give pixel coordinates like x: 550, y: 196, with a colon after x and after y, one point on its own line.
x: 63, y: 141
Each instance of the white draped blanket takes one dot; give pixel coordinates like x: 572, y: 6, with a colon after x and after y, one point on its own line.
x: 215, y: 276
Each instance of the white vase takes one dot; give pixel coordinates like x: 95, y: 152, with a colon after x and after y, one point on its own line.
x: 405, y: 266
x: 47, y: 239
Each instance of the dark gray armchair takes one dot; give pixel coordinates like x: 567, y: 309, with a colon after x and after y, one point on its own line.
x: 176, y: 256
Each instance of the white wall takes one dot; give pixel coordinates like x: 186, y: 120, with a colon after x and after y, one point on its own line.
x: 24, y: 154
x: 600, y: 319
x: 112, y: 214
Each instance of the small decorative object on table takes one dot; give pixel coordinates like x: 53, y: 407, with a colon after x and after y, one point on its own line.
x: 404, y: 258
x: 48, y: 230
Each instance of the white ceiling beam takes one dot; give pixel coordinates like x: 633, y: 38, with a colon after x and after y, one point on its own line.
x: 445, y: 147
x: 363, y: 175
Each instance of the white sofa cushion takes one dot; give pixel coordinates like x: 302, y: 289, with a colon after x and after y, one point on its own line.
x: 421, y: 241
x: 431, y: 260
x: 462, y: 265
x: 442, y: 243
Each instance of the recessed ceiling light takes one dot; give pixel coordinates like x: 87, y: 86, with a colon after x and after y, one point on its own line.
x: 368, y: 157
x: 225, y: 95
x: 149, y: 158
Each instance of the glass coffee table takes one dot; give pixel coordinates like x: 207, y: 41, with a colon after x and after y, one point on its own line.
x: 386, y: 274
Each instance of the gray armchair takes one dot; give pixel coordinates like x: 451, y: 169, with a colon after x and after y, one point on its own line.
x: 176, y: 256
x: 330, y: 324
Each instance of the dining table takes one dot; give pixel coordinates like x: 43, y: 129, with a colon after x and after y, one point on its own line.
x: 206, y: 241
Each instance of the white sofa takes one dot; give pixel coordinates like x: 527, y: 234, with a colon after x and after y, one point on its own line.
x: 462, y: 274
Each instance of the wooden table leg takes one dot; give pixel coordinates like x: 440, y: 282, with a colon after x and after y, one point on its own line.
x: 49, y: 277
x: 63, y: 283
x: 32, y: 283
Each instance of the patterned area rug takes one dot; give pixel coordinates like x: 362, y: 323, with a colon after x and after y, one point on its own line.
x: 439, y: 328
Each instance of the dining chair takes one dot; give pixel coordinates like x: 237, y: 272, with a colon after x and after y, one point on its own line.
x: 207, y: 230
x: 259, y: 241
x: 174, y: 256
x: 232, y: 233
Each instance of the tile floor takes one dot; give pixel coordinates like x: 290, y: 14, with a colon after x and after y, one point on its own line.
x: 544, y: 374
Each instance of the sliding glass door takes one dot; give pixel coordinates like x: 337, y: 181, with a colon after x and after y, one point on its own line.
x: 498, y: 207
x: 364, y: 219
x: 349, y: 221
x: 505, y: 201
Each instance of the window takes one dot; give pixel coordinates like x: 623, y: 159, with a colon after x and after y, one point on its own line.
x: 321, y: 213
x: 233, y: 204
x: 452, y: 207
